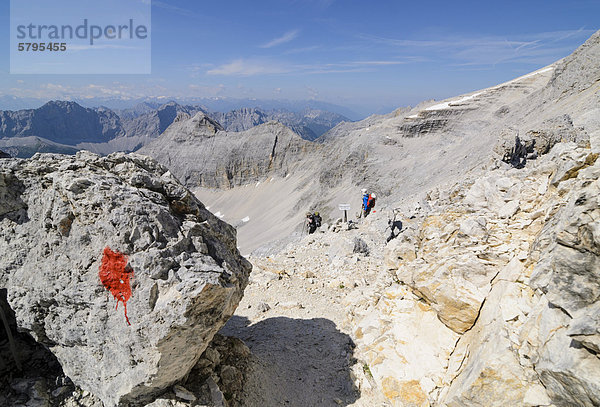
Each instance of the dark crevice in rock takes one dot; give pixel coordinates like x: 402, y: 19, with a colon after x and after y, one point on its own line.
x: 40, y: 368
x: 554, y: 306
x: 272, y: 157
x: 12, y: 206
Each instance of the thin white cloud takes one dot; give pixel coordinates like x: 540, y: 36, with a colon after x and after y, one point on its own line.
x: 68, y: 92
x: 287, y: 37
x: 534, y: 48
x: 178, y: 10
x: 243, y: 67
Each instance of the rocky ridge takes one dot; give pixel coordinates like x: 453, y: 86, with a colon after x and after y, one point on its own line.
x: 156, y: 121
x: 67, y: 127
x: 223, y: 159
x: 309, y: 124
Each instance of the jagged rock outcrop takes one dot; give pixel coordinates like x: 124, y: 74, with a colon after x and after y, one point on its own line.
x: 64, y: 220
x: 201, y: 153
x: 516, y: 150
x: 507, y: 261
x: 566, y: 268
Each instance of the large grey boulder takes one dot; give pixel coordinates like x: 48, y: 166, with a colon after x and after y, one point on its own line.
x: 180, y: 275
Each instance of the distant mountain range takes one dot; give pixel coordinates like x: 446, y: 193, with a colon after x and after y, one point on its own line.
x: 66, y: 126
x: 216, y: 104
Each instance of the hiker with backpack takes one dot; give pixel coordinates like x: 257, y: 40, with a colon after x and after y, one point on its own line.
x: 395, y: 227
x: 318, y: 219
x: 365, y: 201
x: 368, y: 202
x: 313, y: 221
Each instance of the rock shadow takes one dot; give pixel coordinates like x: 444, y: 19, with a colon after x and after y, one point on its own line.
x: 11, y: 205
x: 300, y: 362
x: 29, y: 372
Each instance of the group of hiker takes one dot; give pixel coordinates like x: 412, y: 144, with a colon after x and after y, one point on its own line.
x: 313, y: 220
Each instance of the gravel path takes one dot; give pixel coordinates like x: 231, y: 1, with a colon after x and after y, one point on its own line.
x: 292, y: 319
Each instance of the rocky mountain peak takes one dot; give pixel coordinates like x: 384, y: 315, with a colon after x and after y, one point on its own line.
x: 202, y: 121
x: 227, y: 158
x: 186, y: 126
x: 67, y: 105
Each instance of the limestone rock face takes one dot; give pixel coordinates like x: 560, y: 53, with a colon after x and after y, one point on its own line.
x: 400, y: 333
x: 201, y: 153
x: 518, y: 286
x: 57, y: 216
x: 568, y: 272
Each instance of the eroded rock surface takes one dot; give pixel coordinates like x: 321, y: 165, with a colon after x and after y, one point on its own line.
x: 59, y: 213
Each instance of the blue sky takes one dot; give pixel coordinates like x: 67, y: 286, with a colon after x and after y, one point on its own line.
x: 362, y: 54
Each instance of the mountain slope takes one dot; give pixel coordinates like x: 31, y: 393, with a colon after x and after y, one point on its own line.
x: 489, y: 294
x: 403, y: 154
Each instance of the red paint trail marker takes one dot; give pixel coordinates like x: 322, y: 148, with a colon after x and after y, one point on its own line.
x: 115, y: 274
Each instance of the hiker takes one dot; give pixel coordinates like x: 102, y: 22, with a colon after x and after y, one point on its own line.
x: 394, y: 225
x: 365, y: 201
x: 311, y: 223
x: 370, y: 203
x: 317, y: 219
x: 520, y: 153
